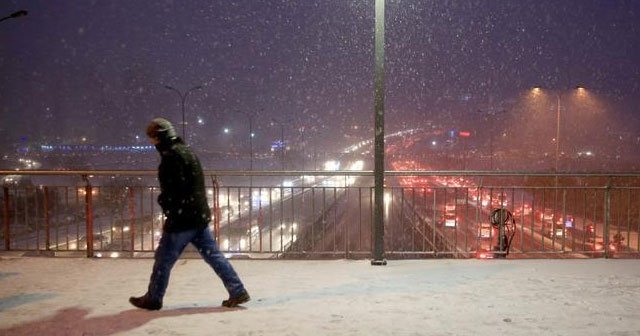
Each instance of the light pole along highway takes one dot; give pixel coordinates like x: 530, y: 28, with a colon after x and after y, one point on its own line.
x: 183, y: 98
x: 378, y: 172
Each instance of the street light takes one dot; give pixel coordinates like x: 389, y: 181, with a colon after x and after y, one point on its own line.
x: 183, y: 98
x: 378, y: 154
x: 282, y: 146
x: 303, y: 147
x: 492, y: 122
x: 14, y: 15
x: 251, y: 135
x: 537, y: 90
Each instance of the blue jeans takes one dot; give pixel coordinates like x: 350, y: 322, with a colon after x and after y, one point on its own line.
x: 171, y: 246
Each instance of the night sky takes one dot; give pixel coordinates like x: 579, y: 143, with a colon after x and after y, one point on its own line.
x: 98, y: 69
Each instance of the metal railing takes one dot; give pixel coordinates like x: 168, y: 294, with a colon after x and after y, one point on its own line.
x: 329, y: 214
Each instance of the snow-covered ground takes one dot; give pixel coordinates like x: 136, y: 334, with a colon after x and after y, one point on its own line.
x: 65, y: 296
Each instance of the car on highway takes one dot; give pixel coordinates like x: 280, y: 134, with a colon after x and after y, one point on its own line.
x: 485, y: 231
x: 594, y: 246
x: 100, y: 241
x: 522, y: 210
x: 547, y: 215
x: 450, y: 220
x: 568, y: 221
x: 557, y: 230
x: 17, y: 181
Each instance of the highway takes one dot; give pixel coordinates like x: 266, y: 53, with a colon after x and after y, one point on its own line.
x: 315, y: 216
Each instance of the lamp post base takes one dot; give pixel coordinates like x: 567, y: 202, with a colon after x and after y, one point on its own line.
x: 382, y: 262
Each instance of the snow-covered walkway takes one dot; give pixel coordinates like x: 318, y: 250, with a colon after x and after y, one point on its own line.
x: 65, y: 296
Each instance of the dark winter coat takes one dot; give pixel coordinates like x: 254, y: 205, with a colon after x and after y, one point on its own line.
x: 182, y: 193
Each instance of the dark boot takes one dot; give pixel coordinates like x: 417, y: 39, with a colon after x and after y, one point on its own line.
x: 237, y: 300
x: 145, y: 302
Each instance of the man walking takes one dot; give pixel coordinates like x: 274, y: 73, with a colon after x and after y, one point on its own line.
x: 184, y: 204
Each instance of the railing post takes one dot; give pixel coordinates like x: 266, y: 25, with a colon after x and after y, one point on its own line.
x: 5, y: 219
x: 216, y: 208
x: 132, y: 215
x: 47, y: 234
x: 88, y: 200
x: 607, y: 217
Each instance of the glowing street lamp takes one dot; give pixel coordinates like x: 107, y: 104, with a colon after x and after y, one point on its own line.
x: 183, y: 98
x: 537, y: 91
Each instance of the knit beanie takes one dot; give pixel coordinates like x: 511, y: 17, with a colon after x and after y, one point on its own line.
x: 161, y: 129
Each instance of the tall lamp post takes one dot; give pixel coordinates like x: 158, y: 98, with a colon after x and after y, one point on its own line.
x: 492, y: 129
x: 538, y: 90
x: 14, y: 15
x: 557, y: 165
x: 304, y: 148
x: 251, y: 135
x: 282, y: 146
x: 183, y: 98
x: 378, y: 173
